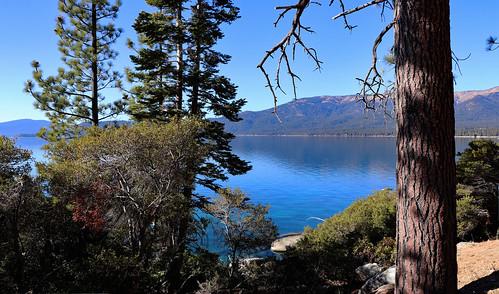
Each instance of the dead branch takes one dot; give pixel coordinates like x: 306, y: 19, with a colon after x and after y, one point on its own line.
x: 344, y: 12
x: 457, y: 61
x: 293, y: 39
x: 373, y: 85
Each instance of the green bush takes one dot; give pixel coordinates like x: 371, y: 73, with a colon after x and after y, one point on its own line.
x: 476, y: 211
x: 364, y: 232
x: 471, y: 220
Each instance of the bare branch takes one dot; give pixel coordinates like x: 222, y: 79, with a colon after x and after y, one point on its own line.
x: 373, y: 85
x: 457, y: 61
x: 358, y: 8
x: 293, y: 39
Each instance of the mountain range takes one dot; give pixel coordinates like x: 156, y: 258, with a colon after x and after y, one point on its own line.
x: 477, y: 113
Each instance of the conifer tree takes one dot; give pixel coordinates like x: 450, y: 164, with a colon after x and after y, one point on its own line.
x: 75, y: 95
x: 176, y: 58
x: 208, y: 91
x: 157, y: 74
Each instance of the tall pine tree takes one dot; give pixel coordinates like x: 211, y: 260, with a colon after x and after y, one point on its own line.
x: 75, y: 95
x: 176, y: 58
x: 176, y: 74
x: 157, y: 75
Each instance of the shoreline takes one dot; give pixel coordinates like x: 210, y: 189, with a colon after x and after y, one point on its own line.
x: 310, y: 135
x: 354, y: 136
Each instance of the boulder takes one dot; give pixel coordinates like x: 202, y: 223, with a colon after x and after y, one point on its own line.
x: 286, y: 241
x: 385, y: 278
x: 367, y: 271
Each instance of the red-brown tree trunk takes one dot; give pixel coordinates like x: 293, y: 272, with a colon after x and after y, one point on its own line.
x: 426, y: 181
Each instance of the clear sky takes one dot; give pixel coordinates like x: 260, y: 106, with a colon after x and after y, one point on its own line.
x: 26, y: 30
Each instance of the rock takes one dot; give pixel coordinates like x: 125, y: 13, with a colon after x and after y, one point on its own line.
x: 284, y: 242
x: 367, y: 271
x: 385, y: 278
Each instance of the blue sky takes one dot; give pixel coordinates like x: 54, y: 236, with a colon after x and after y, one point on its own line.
x: 26, y: 28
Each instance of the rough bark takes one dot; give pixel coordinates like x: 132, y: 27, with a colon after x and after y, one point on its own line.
x: 426, y: 182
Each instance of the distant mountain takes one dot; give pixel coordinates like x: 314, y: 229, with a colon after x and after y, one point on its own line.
x: 477, y: 112
x: 29, y: 127
x: 22, y: 127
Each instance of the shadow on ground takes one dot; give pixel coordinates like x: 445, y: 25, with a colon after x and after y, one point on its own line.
x: 482, y: 285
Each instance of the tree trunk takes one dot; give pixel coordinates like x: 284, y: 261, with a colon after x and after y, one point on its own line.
x: 95, y: 68
x: 180, y: 59
x: 195, y: 86
x: 426, y: 181
x: 175, y: 269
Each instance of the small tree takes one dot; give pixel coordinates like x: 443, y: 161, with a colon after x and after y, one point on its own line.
x: 75, y: 94
x: 479, y: 160
x: 16, y: 186
x: 244, y: 227
x: 127, y: 184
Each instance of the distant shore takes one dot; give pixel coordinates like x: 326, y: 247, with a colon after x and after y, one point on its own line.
x: 309, y: 135
x: 353, y: 136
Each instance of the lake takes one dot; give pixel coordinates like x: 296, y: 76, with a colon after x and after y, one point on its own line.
x: 305, y: 178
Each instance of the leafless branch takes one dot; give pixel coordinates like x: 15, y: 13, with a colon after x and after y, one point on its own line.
x: 373, y: 83
x: 374, y: 90
x: 457, y: 61
x: 293, y: 39
x: 344, y: 12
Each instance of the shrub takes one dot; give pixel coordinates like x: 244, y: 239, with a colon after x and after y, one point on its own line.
x: 364, y: 232
x: 476, y: 210
x: 244, y: 227
x: 471, y: 219
x: 127, y: 186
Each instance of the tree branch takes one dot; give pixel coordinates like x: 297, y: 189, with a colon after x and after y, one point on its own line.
x: 292, y: 38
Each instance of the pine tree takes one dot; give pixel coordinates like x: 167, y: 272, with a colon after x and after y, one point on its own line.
x: 156, y: 76
x: 176, y: 58
x: 210, y: 92
x: 75, y: 95
x: 424, y: 112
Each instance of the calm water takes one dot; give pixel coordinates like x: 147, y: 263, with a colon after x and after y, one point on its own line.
x: 305, y: 177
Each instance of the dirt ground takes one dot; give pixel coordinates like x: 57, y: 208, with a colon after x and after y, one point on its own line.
x: 478, y: 267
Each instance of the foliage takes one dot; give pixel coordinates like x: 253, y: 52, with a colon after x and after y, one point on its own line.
x: 126, y: 185
x: 176, y: 58
x: 480, y: 159
x: 13, y: 161
x: 15, y: 187
x: 470, y: 219
x: 478, y: 172
x: 363, y: 232
x: 75, y: 95
x: 154, y: 76
x: 244, y: 227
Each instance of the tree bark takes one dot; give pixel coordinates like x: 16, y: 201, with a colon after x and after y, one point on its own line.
x: 426, y: 181
x: 95, y: 68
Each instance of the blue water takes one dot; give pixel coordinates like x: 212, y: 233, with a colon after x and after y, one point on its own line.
x: 304, y: 177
